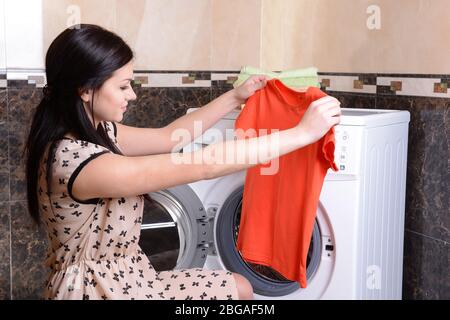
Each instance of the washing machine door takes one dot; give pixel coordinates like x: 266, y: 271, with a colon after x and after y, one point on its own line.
x: 266, y: 281
x: 175, y: 230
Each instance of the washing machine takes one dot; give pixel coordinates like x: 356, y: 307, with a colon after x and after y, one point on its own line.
x: 356, y: 249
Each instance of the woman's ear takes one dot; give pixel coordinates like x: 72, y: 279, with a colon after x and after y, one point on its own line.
x: 85, y: 94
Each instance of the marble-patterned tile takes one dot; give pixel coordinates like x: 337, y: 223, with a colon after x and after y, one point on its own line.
x: 4, y: 186
x: 4, y: 165
x: 431, y: 109
x: 29, y: 245
x: 428, y: 181
x: 395, y: 103
x: 157, y: 107
x: 3, y: 105
x: 5, y: 243
x: 18, y: 183
x: 427, y: 185
x: 220, y: 87
x: 352, y: 100
x: 17, y: 137
x: 422, y: 109
x: 22, y: 104
x: 425, y: 268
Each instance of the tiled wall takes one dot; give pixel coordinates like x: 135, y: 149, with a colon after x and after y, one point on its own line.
x: 226, y: 35
x: 334, y: 35
x: 165, y: 96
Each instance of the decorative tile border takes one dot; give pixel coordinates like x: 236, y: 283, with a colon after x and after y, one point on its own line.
x: 188, y: 79
x: 144, y: 79
x: 363, y: 83
x: 3, y: 82
x: 229, y: 78
x: 347, y: 83
x: 430, y: 87
x: 167, y: 80
x: 388, y: 84
x: 23, y: 78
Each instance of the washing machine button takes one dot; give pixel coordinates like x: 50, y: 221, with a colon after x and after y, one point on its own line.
x: 345, y: 136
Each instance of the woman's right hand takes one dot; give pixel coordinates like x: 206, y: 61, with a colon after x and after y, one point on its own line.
x: 321, y: 115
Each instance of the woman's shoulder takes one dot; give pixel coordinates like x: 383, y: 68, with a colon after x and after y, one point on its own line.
x: 75, y: 150
x: 109, y: 127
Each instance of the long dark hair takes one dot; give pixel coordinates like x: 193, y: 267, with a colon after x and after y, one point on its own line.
x: 82, y: 57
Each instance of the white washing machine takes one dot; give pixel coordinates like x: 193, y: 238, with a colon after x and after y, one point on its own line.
x: 356, y: 249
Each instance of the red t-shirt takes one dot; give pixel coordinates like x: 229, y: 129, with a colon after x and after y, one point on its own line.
x: 279, y: 206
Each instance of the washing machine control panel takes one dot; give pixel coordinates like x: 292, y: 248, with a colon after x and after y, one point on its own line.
x: 347, y: 152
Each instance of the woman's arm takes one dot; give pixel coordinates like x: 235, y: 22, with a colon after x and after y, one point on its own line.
x: 111, y: 175
x: 146, y: 141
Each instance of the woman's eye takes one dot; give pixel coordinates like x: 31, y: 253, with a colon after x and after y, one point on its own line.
x: 124, y: 88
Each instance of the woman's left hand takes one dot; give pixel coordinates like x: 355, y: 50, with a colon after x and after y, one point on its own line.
x: 248, y: 88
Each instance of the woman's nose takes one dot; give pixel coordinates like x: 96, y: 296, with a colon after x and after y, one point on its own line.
x: 132, y: 96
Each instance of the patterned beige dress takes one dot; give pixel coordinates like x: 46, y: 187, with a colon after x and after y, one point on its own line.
x: 94, y: 251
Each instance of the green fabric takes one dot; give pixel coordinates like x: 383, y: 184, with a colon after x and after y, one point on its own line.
x: 293, y: 78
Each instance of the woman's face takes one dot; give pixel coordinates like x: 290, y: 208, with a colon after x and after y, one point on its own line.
x: 111, y: 99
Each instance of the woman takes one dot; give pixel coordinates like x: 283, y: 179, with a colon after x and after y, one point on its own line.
x: 87, y: 174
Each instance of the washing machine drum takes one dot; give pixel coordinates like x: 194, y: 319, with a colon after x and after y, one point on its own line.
x: 175, y: 229
x: 177, y: 232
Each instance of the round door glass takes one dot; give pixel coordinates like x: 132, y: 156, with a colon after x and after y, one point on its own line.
x: 159, y: 240
x: 267, y: 271
x: 265, y: 280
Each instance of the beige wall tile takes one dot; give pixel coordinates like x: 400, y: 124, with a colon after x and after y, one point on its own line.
x: 236, y: 35
x: 59, y: 14
x: 167, y: 34
x: 272, y: 41
x: 333, y: 36
x: 54, y: 13
x: 270, y: 34
x: 2, y: 36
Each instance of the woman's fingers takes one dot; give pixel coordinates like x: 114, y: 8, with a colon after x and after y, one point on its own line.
x: 255, y: 82
x: 334, y: 115
x: 261, y: 78
x: 323, y: 101
x: 330, y: 108
x: 336, y: 120
x: 333, y: 110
